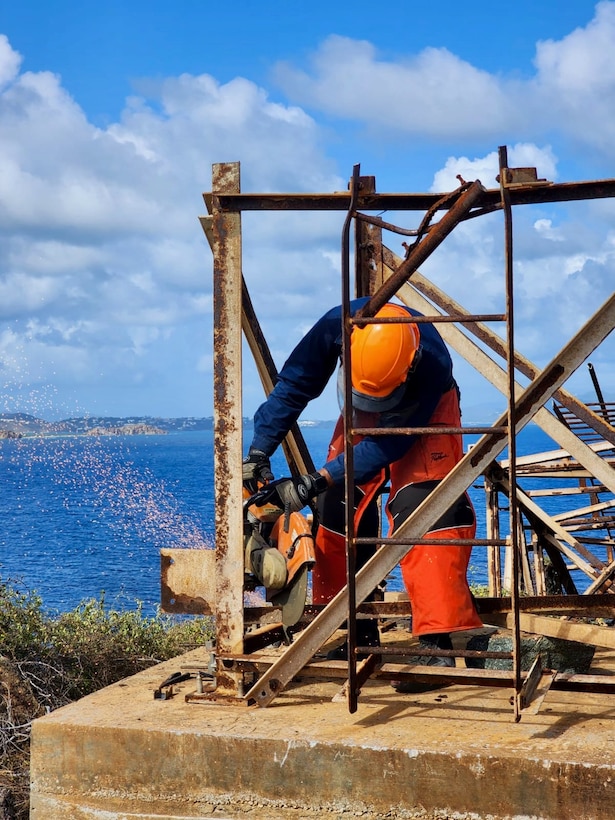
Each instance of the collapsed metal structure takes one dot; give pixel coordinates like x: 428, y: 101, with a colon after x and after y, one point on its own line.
x: 212, y: 582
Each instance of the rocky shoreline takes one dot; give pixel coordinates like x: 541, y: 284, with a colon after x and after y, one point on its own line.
x: 122, y: 430
x: 10, y: 434
x: 127, y: 430
x: 18, y: 425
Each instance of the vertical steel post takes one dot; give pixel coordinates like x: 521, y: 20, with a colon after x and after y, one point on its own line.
x: 368, y: 255
x: 348, y: 447
x: 494, y: 559
x: 512, y: 436
x: 226, y: 227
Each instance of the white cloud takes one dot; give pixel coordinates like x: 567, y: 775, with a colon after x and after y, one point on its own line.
x: 22, y: 294
x: 486, y: 169
x: 104, y: 268
x: 10, y: 62
x: 581, y: 60
x: 544, y: 227
x: 433, y: 94
x: 105, y: 273
x: 575, y: 83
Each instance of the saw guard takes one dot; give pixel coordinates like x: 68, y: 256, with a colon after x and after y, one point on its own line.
x: 294, y: 539
x: 267, y: 514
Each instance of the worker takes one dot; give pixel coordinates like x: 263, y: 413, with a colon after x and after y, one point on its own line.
x: 402, y: 376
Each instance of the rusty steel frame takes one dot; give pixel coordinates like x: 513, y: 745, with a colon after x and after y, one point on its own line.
x: 443, y: 496
x: 530, y: 194
x: 463, y: 201
x: 223, y: 228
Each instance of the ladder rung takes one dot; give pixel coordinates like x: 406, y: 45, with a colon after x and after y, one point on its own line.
x: 462, y: 318
x: 457, y: 542
x: 423, y: 431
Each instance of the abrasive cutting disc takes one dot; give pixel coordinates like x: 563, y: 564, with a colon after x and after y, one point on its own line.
x: 292, y: 598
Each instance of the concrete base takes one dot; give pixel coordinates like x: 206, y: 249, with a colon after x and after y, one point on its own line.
x: 120, y: 754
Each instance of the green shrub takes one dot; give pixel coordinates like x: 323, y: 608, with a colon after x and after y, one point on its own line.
x: 48, y: 661
x: 22, y: 623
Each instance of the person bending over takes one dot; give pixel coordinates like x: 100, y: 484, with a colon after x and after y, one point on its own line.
x: 402, y: 376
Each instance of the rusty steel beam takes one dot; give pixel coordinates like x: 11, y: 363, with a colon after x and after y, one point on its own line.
x: 599, y: 605
x: 513, y: 510
x: 425, y: 516
x: 226, y: 228
x: 421, y: 251
x: 519, y: 195
x: 550, y: 604
x: 368, y: 258
x: 495, y: 678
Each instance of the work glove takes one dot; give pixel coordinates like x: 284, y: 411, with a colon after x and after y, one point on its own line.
x: 291, y: 494
x: 256, y: 468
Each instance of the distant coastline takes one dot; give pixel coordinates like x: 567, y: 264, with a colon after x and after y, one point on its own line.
x: 22, y: 425
x: 19, y: 425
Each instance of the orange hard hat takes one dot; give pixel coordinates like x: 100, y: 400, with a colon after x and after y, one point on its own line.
x: 381, y: 356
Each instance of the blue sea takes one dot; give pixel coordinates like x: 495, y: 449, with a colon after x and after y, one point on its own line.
x: 85, y: 517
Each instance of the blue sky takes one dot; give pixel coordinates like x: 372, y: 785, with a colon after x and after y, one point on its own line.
x: 112, y: 113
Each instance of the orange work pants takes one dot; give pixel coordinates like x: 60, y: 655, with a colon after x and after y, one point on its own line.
x: 434, y: 575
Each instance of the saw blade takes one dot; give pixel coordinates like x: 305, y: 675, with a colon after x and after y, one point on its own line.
x: 292, y: 598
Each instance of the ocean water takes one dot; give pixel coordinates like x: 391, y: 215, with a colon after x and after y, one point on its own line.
x: 83, y: 517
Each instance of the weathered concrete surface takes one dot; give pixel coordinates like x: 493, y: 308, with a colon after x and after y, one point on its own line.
x: 456, y: 753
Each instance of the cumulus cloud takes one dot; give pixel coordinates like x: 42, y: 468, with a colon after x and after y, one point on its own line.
x: 427, y: 93
x: 434, y: 94
x: 105, y: 274
x: 10, y: 61
x: 486, y: 169
x: 575, y: 82
x: 102, y: 259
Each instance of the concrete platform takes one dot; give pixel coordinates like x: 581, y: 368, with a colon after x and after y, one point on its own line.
x: 455, y: 753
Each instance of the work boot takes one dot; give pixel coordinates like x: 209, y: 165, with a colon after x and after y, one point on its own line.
x: 438, y: 641
x: 367, y: 635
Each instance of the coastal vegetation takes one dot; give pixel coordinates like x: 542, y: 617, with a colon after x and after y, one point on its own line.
x: 48, y: 661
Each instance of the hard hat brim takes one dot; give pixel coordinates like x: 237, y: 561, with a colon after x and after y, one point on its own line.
x: 377, y: 404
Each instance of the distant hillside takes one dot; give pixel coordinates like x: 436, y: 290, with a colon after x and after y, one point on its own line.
x: 29, y: 425
x: 22, y: 424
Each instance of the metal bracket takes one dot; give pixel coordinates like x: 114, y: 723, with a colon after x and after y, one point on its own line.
x: 165, y: 690
x: 520, y: 176
x: 536, y: 686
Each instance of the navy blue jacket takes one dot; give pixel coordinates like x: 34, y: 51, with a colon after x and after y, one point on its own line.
x: 307, y: 371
